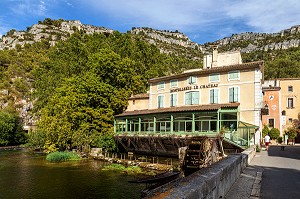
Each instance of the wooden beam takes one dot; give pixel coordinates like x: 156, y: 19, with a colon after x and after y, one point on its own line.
x: 161, y: 145
x: 125, y: 147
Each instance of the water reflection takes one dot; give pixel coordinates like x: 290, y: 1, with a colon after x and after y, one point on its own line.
x: 27, y: 175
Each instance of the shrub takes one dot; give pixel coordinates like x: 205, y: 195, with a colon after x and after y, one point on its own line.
x: 291, y: 132
x: 274, y: 133
x: 265, y: 130
x: 62, y: 156
x: 279, y: 140
x: 258, y: 149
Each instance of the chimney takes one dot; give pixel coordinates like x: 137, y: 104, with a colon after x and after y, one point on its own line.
x: 214, y: 56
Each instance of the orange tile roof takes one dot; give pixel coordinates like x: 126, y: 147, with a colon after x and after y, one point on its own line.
x: 249, y: 65
x: 140, y: 96
x: 205, y: 107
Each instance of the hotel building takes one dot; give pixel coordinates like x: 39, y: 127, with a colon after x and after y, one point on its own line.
x: 224, y: 97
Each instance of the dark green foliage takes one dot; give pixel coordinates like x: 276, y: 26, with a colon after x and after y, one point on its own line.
x: 265, y: 130
x: 62, y: 156
x: 11, y: 132
x: 51, y: 22
x: 279, y: 140
x: 274, y: 133
x: 36, y: 140
x: 291, y: 132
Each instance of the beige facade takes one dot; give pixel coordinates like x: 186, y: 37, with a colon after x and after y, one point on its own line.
x: 224, y: 97
x: 290, y: 100
x: 246, y: 79
x: 284, y: 110
x: 138, y: 102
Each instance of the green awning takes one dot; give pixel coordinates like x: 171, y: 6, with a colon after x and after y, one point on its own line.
x: 247, y: 125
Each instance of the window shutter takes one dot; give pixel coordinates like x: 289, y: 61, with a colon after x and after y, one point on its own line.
x: 188, y: 98
x: 231, y: 95
x: 195, y: 98
x: 216, y: 95
x: 236, y: 94
x: 212, y: 96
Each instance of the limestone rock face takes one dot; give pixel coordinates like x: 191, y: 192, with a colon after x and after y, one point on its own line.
x: 37, y: 32
x: 282, y: 40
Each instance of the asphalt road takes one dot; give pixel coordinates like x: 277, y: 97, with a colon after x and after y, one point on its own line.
x: 280, y: 175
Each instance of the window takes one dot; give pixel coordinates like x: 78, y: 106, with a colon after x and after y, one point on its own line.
x: 290, y: 88
x: 290, y: 120
x: 173, y: 99
x: 234, y: 94
x: 174, y: 83
x: 271, y: 123
x: 133, y: 102
x: 214, y: 96
x: 290, y: 103
x: 161, y: 85
x: 160, y: 101
x: 214, y: 77
x: 234, y: 75
x: 192, y: 80
x: 192, y: 98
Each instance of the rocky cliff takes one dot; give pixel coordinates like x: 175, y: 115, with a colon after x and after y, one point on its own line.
x: 250, y: 42
x: 49, y: 30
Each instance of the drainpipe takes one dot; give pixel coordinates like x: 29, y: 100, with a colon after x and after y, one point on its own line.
x: 140, y: 124
x: 154, y: 124
x: 172, y: 124
x: 193, y: 123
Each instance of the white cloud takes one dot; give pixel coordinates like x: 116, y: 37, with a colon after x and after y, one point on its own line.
x: 194, y: 15
x: 266, y: 15
x: 161, y: 13
x: 30, y: 7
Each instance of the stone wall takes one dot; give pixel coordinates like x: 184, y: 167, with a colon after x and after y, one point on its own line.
x: 211, y: 182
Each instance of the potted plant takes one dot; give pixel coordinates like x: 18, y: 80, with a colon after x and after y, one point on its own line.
x: 291, y: 132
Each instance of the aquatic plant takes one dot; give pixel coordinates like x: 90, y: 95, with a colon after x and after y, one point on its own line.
x: 131, y: 170
x: 60, y: 156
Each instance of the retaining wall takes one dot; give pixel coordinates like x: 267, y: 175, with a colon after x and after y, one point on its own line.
x: 212, y: 182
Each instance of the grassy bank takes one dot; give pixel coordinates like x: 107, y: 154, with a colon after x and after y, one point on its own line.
x: 131, y: 170
x: 60, y: 156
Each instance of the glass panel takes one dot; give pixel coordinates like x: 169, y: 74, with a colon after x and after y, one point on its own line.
x: 188, y: 126
x: 195, y: 97
x: 234, y: 75
x: 173, y: 99
x: 174, y: 83
x: 213, y: 125
x: 160, y: 101
x: 188, y: 98
x: 198, y: 126
x: 228, y: 116
x: 214, y: 77
x: 161, y: 85
x: 205, y: 125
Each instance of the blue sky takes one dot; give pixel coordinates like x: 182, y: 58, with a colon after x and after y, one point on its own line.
x: 201, y: 20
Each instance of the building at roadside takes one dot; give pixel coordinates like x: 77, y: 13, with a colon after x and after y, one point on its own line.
x: 282, y: 97
x: 223, y: 97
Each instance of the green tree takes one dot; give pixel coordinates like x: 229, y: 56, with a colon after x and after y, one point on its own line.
x: 274, y: 133
x: 265, y: 130
x: 81, y: 112
x: 291, y: 132
x: 11, y: 132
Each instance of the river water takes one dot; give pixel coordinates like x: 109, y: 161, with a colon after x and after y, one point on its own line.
x: 28, y: 175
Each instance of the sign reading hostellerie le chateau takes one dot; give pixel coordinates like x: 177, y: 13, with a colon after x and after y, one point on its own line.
x: 193, y: 87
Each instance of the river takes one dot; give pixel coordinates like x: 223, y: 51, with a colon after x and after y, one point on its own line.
x: 28, y: 175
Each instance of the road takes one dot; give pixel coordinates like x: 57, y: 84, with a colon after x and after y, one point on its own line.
x: 280, y: 175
